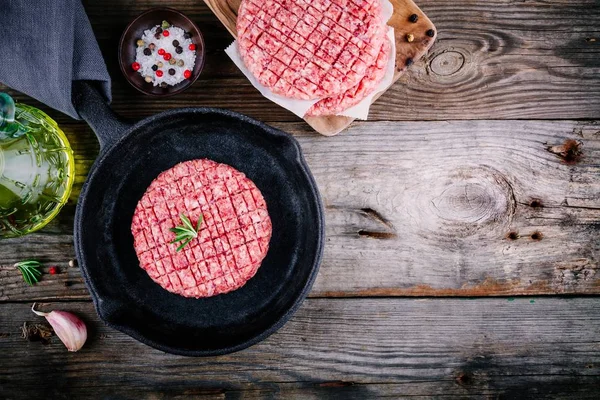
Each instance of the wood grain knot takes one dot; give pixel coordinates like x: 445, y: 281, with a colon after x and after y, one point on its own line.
x: 537, y: 236
x: 359, y: 222
x: 464, y: 378
x: 467, y: 201
x: 388, y: 229
x: 536, y: 203
x: 570, y: 151
x: 446, y: 63
x: 513, y: 235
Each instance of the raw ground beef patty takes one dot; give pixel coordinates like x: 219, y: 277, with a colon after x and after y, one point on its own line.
x: 351, y: 97
x: 231, y: 243
x: 310, y: 49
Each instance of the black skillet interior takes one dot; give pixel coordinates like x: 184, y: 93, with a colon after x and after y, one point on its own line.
x: 125, y: 296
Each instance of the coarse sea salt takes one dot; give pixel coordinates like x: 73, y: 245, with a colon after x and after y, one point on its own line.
x: 166, y: 43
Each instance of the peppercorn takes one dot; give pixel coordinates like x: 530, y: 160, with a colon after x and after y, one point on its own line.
x: 147, y: 51
x: 175, y: 43
x: 166, y: 33
x: 163, y: 84
x: 159, y: 30
x: 409, y: 62
x: 171, y: 71
x: 161, y: 52
x: 154, y: 67
x: 172, y: 61
x: 53, y: 270
x: 159, y: 73
x: 164, y: 25
x: 430, y: 33
x: 135, y: 66
x: 192, y: 47
x: 410, y: 37
x: 187, y: 74
x: 140, y: 43
x: 413, y: 18
x: 178, y: 49
x: 180, y: 63
x: 160, y: 64
x: 148, y: 78
x: 157, y: 35
x: 187, y: 35
x: 167, y: 56
x: 151, y: 46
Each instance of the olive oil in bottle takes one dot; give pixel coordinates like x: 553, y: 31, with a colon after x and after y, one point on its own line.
x: 36, y: 168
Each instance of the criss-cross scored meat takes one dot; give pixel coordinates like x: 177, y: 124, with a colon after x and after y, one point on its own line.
x: 233, y: 238
x: 351, y: 97
x: 309, y: 49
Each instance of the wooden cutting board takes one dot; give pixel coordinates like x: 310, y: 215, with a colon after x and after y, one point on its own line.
x: 226, y: 11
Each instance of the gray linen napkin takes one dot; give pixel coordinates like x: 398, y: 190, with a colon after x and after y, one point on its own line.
x: 45, y: 46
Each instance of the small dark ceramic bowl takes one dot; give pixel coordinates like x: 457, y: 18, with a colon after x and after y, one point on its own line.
x: 135, y: 30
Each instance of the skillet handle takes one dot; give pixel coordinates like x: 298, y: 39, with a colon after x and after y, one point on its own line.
x: 94, y: 109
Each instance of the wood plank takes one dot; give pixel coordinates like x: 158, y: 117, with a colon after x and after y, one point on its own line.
x: 459, y: 208
x: 417, y: 209
x: 494, y: 59
x: 339, y: 348
x: 226, y: 11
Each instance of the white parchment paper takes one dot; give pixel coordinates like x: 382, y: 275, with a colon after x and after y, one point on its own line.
x: 300, y: 107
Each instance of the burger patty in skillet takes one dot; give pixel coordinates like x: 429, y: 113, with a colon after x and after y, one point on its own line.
x: 234, y: 233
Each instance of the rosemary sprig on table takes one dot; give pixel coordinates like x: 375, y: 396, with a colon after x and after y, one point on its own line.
x: 30, y: 271
x: 186, y: 232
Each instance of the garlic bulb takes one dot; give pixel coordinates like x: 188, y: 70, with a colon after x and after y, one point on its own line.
x: 67, y: 326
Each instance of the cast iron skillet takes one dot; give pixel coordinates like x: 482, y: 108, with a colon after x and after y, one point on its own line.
x: 130, y: 158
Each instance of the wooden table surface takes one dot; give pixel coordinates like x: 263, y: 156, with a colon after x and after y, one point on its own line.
x: 463, y: 227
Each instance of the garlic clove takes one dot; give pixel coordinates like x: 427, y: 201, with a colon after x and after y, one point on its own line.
x: 68, y: 327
